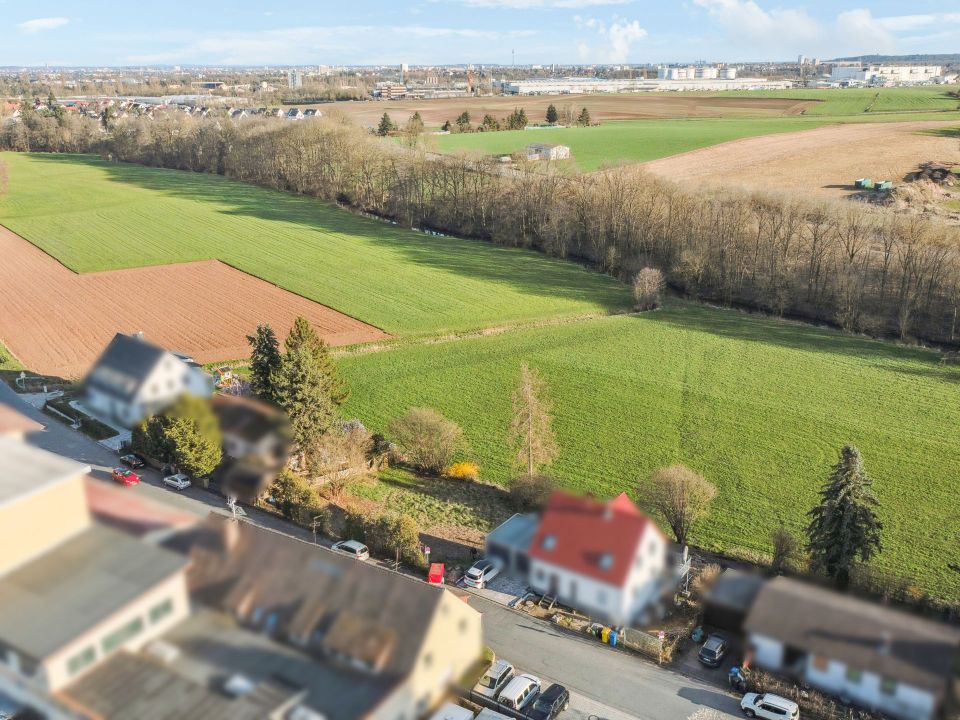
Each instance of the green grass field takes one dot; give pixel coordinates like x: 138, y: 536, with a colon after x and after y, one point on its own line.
x: 92, y: 215
x: 760, y: 407
x: 624, y: 140
x: 833, y: 102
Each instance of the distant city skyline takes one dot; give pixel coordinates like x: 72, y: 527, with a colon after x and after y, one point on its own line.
x: 467, y: 31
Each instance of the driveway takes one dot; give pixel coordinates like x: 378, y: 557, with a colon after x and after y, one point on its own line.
x: 608, y: 683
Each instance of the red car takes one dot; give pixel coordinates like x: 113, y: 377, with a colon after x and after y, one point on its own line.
x: 125, y: 476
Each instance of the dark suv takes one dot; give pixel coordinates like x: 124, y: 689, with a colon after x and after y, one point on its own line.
x: 553, y: 701
x: 714, y: 650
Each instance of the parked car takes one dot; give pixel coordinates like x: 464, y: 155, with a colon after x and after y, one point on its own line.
x: 769, y: 706
x: 714, y: 650
x: 132, y: 461
x: 550, y: 703
x: 177, y: 482
x: 451, y: 711
x: 494, y: 679
x: 352, y: 548
x: 124, y: 476
x: 520, y: 692
x: 482, y: 572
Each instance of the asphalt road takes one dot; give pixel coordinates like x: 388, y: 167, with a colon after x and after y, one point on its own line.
x: 604, y: 683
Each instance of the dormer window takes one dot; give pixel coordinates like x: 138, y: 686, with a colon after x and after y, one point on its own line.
x: 549, y: 542
x: 606, y: 561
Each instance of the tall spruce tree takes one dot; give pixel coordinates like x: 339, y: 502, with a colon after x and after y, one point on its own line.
x: 843, y: 527
x: 552, y: 115
x: 308, y: 387
x: 264, y: 362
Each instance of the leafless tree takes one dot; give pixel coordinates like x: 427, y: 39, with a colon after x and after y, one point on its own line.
x: 682, y: 496
x: 648, y: 288
x: 531, y: 434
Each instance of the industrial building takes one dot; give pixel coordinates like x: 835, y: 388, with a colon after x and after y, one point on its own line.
x: 873, y: 74
x: 672, y: 79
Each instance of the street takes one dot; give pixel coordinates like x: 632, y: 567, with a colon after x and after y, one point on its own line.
x: 604, y: 683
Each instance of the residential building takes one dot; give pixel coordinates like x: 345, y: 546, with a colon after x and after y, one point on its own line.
x: 874, y: 656
x: 294, y: 79
x: 671, y: 79
x: 134, y: 378
x: 546, y: 151
x: 15, y: 425
x: 73, y: 592
x: 606, y: 559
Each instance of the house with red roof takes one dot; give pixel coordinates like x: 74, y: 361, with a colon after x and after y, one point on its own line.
x: 607, y: 559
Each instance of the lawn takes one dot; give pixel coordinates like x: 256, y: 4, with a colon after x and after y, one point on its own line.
x: 94, y: 215
x: 759, y: 406
x: 625, y: 140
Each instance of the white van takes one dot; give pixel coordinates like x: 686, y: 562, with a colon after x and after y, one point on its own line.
x: 769, y: 706
x: 520, y: 692
x: 450, y: 711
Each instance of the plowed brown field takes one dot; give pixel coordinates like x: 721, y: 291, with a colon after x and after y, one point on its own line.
x: 631, y: 106
x: 825, y: 161
x: 57, y: 322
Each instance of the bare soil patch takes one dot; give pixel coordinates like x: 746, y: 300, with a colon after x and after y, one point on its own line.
x: 57, y: 322
x: 825, y: 160
x: 602, y: 107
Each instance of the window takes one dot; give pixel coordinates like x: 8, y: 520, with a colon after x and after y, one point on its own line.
x: 888, y: 686
x: 119, y: 636
x: 549, y: 542
x: 428, y: 660
x: 820, y: 663
x: 601, y: 597
x: 853, y: 675
x: 606, y: 561
x: 463, y: 626
x: 159, y: 611
x: 81, y: 660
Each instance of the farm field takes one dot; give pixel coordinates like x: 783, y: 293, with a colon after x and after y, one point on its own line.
x: 96, y: 216
x: 826, y: 160
x: 628, y: 141
x: 57, y: 322
x: 839, y: 102
x: 759, y: 406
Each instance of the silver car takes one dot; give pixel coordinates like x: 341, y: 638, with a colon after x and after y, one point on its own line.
x: 494, y: 679
x: 352, y: 548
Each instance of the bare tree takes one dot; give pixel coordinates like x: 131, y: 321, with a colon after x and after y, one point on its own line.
x: 648, y: 289
x: 531, y: 434
x: 786, y: 549
x: 682, y: 496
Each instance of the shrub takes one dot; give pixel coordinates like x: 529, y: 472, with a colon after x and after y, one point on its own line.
x: 428, y: 441
x: 464, y: 471
x: 385, y: 533
x: 648, y: 289
x: 291, y: 492
x: 531, y: 492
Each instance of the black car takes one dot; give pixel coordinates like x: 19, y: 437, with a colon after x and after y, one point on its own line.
x: 714, y: 650
x: 553, y: 701
x: 132, y: 461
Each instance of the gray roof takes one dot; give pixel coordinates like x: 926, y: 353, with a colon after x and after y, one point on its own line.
x: 336, y: 603
x: 516, y: 532
x: 83, y: 581
x: 124, y: 366
x: 864, y: 635
x: 25, y: 470
x: 735, y: 590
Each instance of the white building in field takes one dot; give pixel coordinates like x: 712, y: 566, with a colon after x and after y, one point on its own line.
x: 134, y: 378
x: 880, y: 74
x: 607, y: 559
x: 546, y: 151
x: 874, y: 656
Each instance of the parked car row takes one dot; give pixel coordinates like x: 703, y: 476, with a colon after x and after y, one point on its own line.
x: 522, y: 692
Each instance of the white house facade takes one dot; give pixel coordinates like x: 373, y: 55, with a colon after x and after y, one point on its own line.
x: 133, y: 379
x: 605, y: 559
x: 873, y: 656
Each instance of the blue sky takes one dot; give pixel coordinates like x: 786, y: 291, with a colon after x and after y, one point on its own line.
x: 250, y: 32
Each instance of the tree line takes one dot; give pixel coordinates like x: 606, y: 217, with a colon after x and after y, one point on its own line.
x: 847, y: 265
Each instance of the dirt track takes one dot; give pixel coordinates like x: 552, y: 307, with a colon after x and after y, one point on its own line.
x: 57, y: 322
x: 825, y: 160
x: 602, y: 107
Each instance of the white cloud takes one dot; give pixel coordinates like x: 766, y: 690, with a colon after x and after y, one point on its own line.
x: 899, y: 23
x: 39, y: 24
x: 614, y: 41
x: 786, y: 31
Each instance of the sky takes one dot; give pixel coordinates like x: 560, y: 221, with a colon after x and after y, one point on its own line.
x: 368, y: 32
